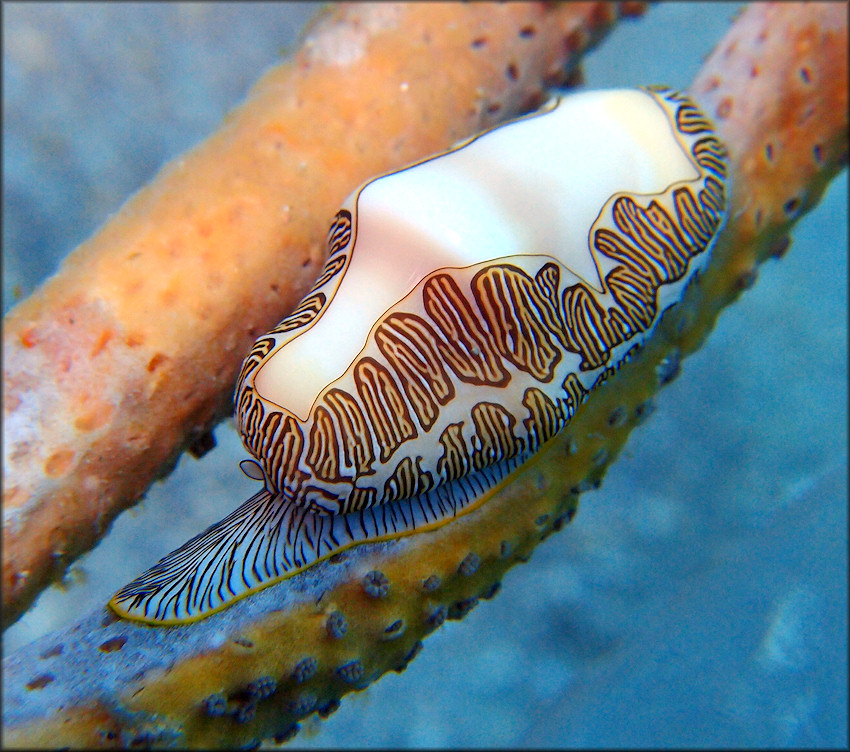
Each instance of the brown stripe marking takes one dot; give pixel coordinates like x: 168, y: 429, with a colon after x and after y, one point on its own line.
x: 545, y: 417
x: 494, y: 428
x: 408, y: 480
x: 455, y: 461
x: 385, y: 409
x: 512, y: 307
x: 408, y: 344
x: 466, y: 346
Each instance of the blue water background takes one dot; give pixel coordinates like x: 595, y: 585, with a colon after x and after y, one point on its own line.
x: 698, y: 599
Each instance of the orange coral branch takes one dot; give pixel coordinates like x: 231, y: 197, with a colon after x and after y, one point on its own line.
x: 107, y: 683
x: 788, y: 146
x: 102, y: 363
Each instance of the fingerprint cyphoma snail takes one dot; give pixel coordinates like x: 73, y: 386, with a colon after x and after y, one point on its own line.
x: 469, y: 304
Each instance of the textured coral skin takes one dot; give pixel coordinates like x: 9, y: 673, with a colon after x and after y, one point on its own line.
x: 788, y: 141
x: 114, y: 341
x: 189, y: 675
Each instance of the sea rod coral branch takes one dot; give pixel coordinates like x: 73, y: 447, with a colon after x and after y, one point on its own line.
x: 252, y: 671
x: 788, y: 148
x: 100, y: 364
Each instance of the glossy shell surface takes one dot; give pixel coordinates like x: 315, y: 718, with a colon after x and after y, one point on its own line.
x: 469, y: 304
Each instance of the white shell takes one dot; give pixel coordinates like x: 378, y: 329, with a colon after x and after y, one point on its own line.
x: 469, y: 304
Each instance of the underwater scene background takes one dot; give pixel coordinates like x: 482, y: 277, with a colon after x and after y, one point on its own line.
x: 698, y: 598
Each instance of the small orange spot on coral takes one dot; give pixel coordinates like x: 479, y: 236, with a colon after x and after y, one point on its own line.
x: 110, y: 646
x: 724, y: 108
x: 40, y: 681
x: 713, y: 83
x: 803, y: 45
x: 168, y: 298
x: 137, y: 443
x: 58, y: 463
x: 135, y: 339
x: 105, y: 336
x: 96, y: 417
x: 85, y: 422
x: 28, y: 338
x: 12, y: 497
x: 156, y: 361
